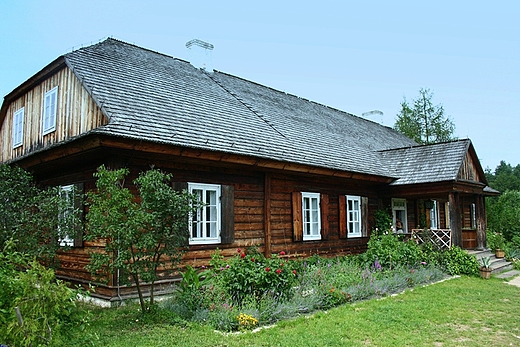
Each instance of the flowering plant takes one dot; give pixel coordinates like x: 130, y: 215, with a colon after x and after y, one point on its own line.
x: 246, y: 321
x: 251, y: 274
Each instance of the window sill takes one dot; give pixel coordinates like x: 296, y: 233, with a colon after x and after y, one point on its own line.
x: 204, y: 242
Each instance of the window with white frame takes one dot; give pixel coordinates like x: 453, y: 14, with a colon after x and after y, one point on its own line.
x: 18, y: 120
x: 434, y: 216
x: 354, y: 216
x: 399, y: 215
x: 67, y: 193
x: 473, y: 216
x: 205, y: 222
x: 311, y: 216
x: 49, y: 111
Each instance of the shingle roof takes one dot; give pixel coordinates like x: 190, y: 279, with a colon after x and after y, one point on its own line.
x: 429, y: 163
x: 147, y: 95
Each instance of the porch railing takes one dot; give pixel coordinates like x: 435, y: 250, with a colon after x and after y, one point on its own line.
x: 439, y: 237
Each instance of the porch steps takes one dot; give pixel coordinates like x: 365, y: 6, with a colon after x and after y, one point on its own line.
x: 498, y: 265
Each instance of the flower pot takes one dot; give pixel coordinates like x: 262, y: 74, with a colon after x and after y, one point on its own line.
x: 499, y: 253
x: 485, y: 273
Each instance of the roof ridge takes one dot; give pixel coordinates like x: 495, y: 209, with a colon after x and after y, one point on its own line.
x: 243, y: 103
x: 113, y: 39
x: 425, y: 145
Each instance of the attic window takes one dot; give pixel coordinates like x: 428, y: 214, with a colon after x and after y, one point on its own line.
x: 49, y: 111
x: 18, y: 119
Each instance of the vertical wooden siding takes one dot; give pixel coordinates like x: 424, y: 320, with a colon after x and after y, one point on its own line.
x: 76, y: 113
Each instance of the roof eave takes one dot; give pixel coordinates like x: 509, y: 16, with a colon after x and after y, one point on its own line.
x: 38, y: 77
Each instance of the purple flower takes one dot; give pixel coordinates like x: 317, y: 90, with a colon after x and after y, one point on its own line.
x: 376, y: 266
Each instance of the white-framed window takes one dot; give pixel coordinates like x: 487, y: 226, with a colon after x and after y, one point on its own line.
x: 354, y: 216
x: 50, y: 102
x: 18, y: 120
x: 311, y: 216
x: 434, y: 216
x: 399, y: 215
x: 67, y: 192
x: 205, y: 223
x: 473, y: 216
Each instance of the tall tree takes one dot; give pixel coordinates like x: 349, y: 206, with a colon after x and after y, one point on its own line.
x: 424, y: 122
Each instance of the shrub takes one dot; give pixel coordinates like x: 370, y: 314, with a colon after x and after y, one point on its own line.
x: 495, y: 241
x: 456, y: 261
x: 504, y: 215
x: 35, y: 218
x: 251, y: 274
x: 390, y: 251
x: 30, y: 293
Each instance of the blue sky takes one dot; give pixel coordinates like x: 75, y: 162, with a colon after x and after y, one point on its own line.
x: 356, y: 56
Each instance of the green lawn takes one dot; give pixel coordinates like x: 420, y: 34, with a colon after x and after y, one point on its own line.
x: 464, y: 311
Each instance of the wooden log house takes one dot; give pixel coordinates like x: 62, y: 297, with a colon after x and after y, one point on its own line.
x: 284, y: 173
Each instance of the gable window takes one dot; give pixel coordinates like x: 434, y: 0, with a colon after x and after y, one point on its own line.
x: 49, y: 111
x: 311, y: 216
x: 354, y: 216
x: 399, y: 215
x: 18, y: 119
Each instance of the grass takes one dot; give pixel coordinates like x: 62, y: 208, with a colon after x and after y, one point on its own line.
x: 465, y: 311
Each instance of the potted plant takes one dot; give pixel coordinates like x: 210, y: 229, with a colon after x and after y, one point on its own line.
x: 496, y: 243
x: 485, y: 268
x: 500, y: 245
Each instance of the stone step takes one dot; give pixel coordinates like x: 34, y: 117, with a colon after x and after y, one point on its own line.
x: 497, y: 265
x: 508, y: 274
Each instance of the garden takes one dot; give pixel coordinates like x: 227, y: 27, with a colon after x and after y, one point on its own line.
x: 245, y: 294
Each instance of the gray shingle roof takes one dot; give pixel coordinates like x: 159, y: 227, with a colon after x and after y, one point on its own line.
x: 430, y: 163
x: 152, y: 96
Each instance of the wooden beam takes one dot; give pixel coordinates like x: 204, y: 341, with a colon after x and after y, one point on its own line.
x: 228, y: 158
x: 455, y: 219
x: 480, y: 210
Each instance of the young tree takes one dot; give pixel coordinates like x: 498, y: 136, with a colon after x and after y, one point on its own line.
x: 424, y: 122
x: 36, y: 218
x: 141, y: 233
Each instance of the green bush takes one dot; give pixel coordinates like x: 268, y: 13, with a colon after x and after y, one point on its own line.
x: 35, y: 308
x: 250, y: 274
x: 495, y: 241
x: 390, y: 251
x: 504, y: 215
x: 456, y: 261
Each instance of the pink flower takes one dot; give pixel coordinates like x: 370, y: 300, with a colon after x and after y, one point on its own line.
x: 278, y: 271
x: 203, y: 266
x: 282, y: 253
x: 294, y: 272
x: 242, y: 255
x: 267, y: 269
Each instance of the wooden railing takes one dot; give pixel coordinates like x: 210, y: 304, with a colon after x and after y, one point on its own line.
x: 439, y: 237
